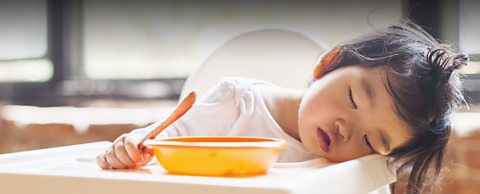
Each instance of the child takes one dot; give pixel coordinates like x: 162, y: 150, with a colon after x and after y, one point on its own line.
x: 390, y: 93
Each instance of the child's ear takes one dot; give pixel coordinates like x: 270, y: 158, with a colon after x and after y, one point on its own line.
x: 326, y: 62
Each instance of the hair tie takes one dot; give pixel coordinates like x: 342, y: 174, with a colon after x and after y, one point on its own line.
x: 444, y: 61
x: 459, y: 61
x: 327, y: 62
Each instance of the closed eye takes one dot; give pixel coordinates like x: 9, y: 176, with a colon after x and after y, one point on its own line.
x: 350, y: 96
x: 368, y: 143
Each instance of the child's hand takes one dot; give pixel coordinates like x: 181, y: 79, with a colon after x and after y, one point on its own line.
x: 124, y: 153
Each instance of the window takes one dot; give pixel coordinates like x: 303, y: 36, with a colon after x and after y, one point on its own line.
x: 468, y: 28
x: 454, y: 22
x: 150, y: 39
x: 145, y: 39
x: 143, y: 49
x: 23, y: 38
x: 468, y: 33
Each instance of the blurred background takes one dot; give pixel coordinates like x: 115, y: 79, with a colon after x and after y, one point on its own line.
x: 77, y: 71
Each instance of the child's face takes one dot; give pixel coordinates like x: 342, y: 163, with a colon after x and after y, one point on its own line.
x: 337, y: 126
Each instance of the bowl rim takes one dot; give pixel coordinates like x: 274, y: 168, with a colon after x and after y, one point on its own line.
x: 255, y: 142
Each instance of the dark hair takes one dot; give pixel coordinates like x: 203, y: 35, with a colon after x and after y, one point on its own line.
x: 422, y: 80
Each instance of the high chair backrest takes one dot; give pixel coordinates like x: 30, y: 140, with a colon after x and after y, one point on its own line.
x: 280, y: 56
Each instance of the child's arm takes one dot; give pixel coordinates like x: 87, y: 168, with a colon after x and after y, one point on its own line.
x: 220, y: 106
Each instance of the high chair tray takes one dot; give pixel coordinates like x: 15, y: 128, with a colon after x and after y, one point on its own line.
x: 72, y: 169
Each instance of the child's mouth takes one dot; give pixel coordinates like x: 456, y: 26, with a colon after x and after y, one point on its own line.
x: 323, y: 139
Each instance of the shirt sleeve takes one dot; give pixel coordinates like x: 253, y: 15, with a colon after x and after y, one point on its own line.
x: 213, y: 115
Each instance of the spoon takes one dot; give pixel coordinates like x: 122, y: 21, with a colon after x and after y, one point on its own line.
x: 179, y: 111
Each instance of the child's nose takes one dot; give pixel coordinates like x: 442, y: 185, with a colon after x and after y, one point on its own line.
x: 343, y: 130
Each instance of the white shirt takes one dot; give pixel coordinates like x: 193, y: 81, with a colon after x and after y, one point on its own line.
x: 234, y: 108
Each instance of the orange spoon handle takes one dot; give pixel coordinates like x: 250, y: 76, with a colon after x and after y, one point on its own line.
x: 179, y: 111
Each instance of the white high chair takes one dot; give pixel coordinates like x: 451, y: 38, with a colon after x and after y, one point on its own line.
x: 280, y: 56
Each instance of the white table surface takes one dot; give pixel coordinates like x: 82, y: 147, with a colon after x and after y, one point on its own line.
x: 71, y: 169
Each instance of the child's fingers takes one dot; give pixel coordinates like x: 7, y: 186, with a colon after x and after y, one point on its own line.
x: 120, y: 139
x: 112, y: 159
x: 102, y: 162
x: 131, y: 146
x: 147, y: 155
x: 122, y: 155
x: 119, y: 151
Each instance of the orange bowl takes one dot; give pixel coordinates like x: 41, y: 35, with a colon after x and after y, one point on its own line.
x: 217, y: 156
